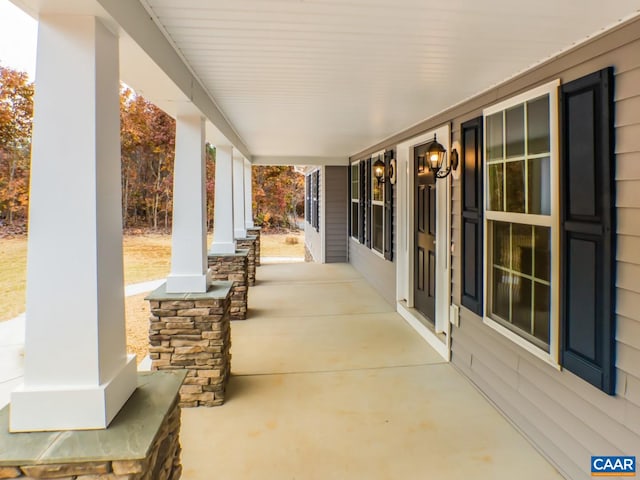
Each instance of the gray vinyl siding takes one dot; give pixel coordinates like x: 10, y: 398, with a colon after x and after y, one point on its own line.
x: 336, y: 197
x: 380, y: 273
x: 568, y: 419
x: 313, y: 239
x: 565, y: 417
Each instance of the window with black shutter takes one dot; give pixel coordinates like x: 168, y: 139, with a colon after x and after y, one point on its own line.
x: 472, y: 218
x: 388, y: 208
x: 588, y: 229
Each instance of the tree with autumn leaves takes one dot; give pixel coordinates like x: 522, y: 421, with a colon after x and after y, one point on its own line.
x: 16, y: 114
x: 147, y: 153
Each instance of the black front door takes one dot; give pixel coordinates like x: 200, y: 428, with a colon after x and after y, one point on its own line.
x: 424, y: 287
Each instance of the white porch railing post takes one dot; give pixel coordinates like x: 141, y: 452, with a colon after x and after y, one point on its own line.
x: 239, y: 227
x: 248, y: 195
x: 189, y: 271
x: 223, y: 240
x: 77, y: 373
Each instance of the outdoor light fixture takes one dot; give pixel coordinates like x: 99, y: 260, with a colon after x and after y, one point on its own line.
x: 378, y: 170
x: 435, y: 160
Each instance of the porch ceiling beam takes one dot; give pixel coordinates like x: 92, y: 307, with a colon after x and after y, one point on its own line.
x: 299, y: 160
x: 138, y: 24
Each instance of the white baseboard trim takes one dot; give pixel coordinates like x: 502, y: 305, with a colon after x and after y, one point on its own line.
x: 430, y: 337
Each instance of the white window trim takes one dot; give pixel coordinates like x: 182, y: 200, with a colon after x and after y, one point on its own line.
x: 355, y: 237
x: 552, y: 221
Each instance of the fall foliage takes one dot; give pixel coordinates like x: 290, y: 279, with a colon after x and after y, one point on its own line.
x: 147, y: 147
x: 16, y: 114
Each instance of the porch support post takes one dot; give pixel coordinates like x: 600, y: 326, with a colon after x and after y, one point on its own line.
x: 239, y: 227
x: 77, y: 372
x: 223, y: 240
x: 248, y: 195
x: 189, y: 270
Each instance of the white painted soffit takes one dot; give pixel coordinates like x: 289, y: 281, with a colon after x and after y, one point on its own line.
x: 328, y: 78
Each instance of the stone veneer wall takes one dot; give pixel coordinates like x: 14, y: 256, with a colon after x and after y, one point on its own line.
x: 233, y: 268
x: 250, y: 244
x: 191, y: 331
x: 161, y: 461
x: 256, y: 232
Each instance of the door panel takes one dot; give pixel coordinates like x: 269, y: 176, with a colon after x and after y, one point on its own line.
x: 425, y: 239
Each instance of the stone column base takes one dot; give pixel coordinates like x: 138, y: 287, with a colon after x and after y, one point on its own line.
x: 250, y: 244
x: 191, y: 332
x: 256, y: 232
x: 151, y: 415
x: 234, y: 268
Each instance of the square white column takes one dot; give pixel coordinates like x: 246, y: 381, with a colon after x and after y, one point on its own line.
x: 223, y: 239
x: 248, y: 195
x: 189, y: 270
x: 239, y: 227
x: 77, y: 372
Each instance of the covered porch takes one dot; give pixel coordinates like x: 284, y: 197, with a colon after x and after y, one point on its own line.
x: 328, y: 381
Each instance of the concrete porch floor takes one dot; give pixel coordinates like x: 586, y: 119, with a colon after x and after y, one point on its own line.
x: 330, y: 383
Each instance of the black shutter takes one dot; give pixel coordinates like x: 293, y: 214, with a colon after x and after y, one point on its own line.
x: 361, y: 204
x: 388, y: 209
x: 472, y: 216
x: 588, y: 229
x: 307, y: 209
x: 367, y: 207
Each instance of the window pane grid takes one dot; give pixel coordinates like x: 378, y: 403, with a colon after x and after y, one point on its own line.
x: 498, y: 153
x: 515, y: 291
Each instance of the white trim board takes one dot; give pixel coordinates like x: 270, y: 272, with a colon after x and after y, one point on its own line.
x: 410, y: 316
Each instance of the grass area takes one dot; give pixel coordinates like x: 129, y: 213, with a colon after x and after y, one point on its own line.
x: 13, y: 276
x: 146, y: 257
x: 282, y: 245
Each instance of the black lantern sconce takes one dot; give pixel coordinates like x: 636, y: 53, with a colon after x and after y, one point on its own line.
x: 435, y: 160
x: 378, y: 170
x: 382, y: 174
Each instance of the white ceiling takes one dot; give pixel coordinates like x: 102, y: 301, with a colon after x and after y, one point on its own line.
x: 332, y: 77
x: 328, y: 78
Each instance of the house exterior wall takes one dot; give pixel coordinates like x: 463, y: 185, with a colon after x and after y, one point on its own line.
x: 564, y: 416
x: 313, y: 237
x: 568, y: 419
x: 335, y: 195
x: 380, y: 273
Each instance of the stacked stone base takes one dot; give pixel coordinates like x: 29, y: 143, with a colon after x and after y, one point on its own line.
x: 233, y: 268
x: 162, y: 463
x: 154, y: 455
x: 191, y: 332
x: 256, y: 232
x: 249, y: 243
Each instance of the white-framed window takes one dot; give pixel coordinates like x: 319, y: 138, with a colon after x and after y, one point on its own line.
x: 521, y: 220
x: 355, y: 200
x: 377, y: 210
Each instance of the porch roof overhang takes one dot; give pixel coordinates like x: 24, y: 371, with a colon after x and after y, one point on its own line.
x: 314, y: 82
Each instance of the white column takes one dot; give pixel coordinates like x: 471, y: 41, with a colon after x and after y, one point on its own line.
x: 77, y: 372
x: 223, y: 240
x: 248, y: 195
x: 189, y: 270
x: 239, y: 227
